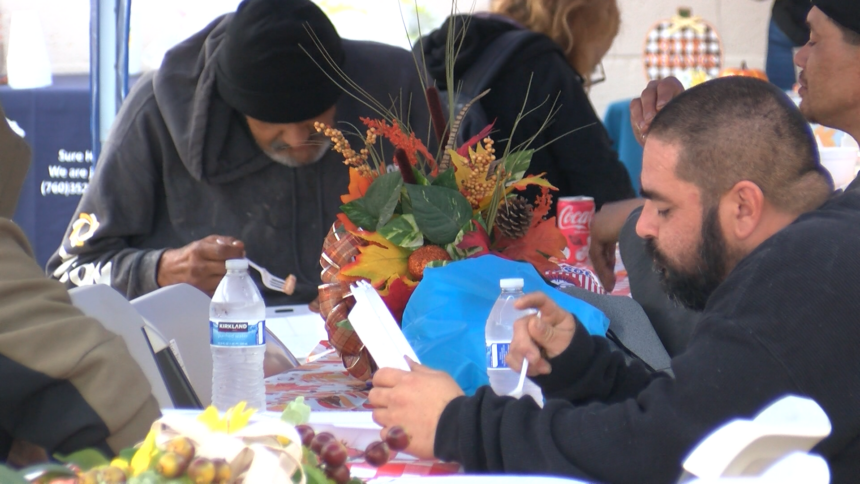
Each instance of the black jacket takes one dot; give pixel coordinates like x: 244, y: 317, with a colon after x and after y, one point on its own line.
x: 580, y: 163
x: 783, y: 322
x: 180, y: 165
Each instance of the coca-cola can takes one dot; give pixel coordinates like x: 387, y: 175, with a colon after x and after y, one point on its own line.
x: 574, y: 221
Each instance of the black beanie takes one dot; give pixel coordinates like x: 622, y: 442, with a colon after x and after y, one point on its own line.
x: 263, y: 72
x: 843, y: 12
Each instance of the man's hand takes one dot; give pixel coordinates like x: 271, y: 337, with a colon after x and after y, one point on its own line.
x: 200, y: 263
x: 656, y: 95
x: 605, y: 230
x: 539, y: 337
x: 413, y: 400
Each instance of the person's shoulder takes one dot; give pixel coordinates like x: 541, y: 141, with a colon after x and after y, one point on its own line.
x: 819, y: 247
x: 835, y: 223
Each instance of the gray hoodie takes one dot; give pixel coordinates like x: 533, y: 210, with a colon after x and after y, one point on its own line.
x: 180, y: 165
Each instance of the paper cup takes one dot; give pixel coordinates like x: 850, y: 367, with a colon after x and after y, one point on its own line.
x: 27, y: 63
x: 841, y: 163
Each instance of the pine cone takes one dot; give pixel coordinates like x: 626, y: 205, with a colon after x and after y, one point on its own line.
x: 514, y: 217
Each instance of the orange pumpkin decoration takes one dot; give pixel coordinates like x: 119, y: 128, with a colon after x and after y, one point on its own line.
x: 744, y: 71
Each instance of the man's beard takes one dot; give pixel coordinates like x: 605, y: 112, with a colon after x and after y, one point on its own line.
x: 279, y: 151
x: 691, y: 288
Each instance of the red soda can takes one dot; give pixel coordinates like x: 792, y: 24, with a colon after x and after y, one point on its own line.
x: 574, y: 221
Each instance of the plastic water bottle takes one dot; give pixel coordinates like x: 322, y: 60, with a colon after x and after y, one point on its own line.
x: 499, y: 332
x: 237, y: 327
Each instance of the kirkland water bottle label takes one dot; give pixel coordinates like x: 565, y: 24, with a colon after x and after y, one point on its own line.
x: 237, y: 333
x: 496, y: 353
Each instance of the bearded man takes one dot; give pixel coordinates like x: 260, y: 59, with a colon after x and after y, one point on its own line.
x: 739, y: 218
x: 215, y: 155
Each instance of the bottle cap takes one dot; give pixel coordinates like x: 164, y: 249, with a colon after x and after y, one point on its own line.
x: 237, y: 264
x: 516, y: 283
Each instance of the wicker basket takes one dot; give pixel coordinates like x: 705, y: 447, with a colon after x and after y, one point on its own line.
x: 339, y: 249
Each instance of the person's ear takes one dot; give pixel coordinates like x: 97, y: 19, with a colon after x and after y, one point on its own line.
x: 742, y: 209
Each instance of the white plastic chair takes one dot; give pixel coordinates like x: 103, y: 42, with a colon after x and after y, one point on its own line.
x: 768, y: 447
x: 116, y: 314
x: 181, y: 313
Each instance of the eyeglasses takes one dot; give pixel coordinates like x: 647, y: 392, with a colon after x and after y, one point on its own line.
x: 597, y: 76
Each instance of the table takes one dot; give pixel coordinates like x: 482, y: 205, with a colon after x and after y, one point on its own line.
x: 326, y: 386
x: 56, y: 125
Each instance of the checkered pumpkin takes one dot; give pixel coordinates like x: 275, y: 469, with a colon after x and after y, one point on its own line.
x: 682, y: 46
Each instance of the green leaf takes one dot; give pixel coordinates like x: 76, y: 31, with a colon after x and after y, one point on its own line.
x: 46, y: 471
x: 127, y: 454
x: 403, y: 231
x: 148, y: 477
x: 359, y: 215
x: 381, y: 198
x: 437, y: 263
x: 315, y: 475
x: 309, y: 457
x: 447, y: 180
x: 178, y: 480
x: 439, y: 212
x: 86, y: 459
x: 296, y: 412
x: 8, y: 476
x: 405, y: 201
x: 517, y: 163
x: 421, y: 178
x: 345, y: 324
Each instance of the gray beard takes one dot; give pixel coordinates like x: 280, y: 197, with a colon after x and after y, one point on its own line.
x: 285, y: 159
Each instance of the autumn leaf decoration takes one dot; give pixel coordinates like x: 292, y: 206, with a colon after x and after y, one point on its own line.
x: 422, y: 202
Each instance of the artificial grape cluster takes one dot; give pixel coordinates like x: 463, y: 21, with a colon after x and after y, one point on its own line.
x: 332, y: 454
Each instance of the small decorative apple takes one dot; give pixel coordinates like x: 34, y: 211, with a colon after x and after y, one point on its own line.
x: 743, y: 71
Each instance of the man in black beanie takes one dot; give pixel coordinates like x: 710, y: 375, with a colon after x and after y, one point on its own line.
x: 830, y: 63
x: 215, y: 155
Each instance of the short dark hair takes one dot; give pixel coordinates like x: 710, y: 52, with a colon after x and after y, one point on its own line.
x: 738, y: 128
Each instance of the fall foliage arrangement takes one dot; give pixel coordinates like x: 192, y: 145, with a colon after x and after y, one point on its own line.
x: 428, y: 212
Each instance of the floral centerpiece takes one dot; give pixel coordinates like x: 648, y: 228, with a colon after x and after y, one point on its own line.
x: 213, y: 448
x: 427, y: 212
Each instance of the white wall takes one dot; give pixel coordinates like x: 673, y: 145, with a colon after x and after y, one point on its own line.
x: 66, y: 25
x: 741, y: 23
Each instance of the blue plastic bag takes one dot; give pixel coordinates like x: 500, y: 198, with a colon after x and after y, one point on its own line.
x: 445, y: 317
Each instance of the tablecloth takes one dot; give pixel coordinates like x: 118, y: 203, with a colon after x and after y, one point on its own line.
x: 326, y: 385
